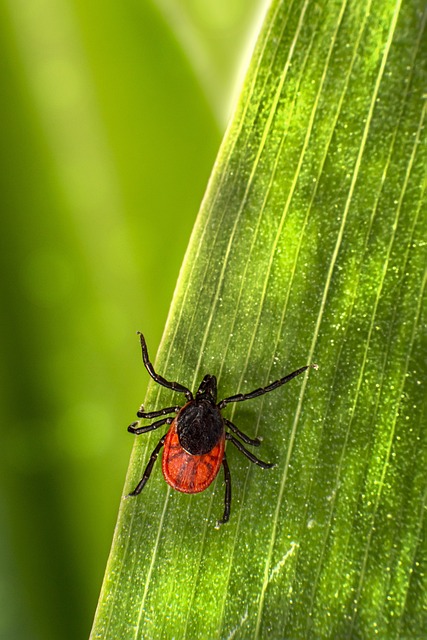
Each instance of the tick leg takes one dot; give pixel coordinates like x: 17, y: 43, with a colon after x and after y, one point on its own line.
x: 248, y: 454
x: 132, y: 428
x: 175, y: 386
x: 148, y: 469
x: 155, y: 414
x: 240, y: 397
x: 227, y: 499
x: 253, y: 441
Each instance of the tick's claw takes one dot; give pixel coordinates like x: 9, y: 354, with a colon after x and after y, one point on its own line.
x: 132, y: 427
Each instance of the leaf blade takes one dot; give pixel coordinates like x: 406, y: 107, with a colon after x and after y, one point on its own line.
x: 284, y: 268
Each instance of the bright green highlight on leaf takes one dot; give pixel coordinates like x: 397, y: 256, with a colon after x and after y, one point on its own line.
x: 309, y: 247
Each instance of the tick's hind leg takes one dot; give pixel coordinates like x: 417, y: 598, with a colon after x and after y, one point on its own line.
x: 227, y: 499
x: 148, y: 469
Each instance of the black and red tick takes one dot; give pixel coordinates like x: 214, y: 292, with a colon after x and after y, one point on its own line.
x: 194, y: 446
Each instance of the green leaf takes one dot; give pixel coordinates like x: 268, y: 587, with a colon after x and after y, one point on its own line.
x: 309, y: 247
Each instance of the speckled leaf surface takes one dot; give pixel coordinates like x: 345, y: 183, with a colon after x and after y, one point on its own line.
x: 310, y: 246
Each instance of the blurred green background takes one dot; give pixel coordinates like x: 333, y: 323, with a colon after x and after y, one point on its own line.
x: 111, y: 116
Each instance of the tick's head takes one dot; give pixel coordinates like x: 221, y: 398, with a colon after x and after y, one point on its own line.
x: 207, y: 388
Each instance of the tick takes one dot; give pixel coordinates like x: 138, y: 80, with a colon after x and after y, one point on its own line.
x: 194, y: 445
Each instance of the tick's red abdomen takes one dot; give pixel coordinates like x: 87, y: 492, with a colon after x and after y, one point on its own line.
x: 189, y: 473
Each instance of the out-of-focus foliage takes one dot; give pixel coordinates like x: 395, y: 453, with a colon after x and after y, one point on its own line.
x: 219, y: 37
x: 107, y: 143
